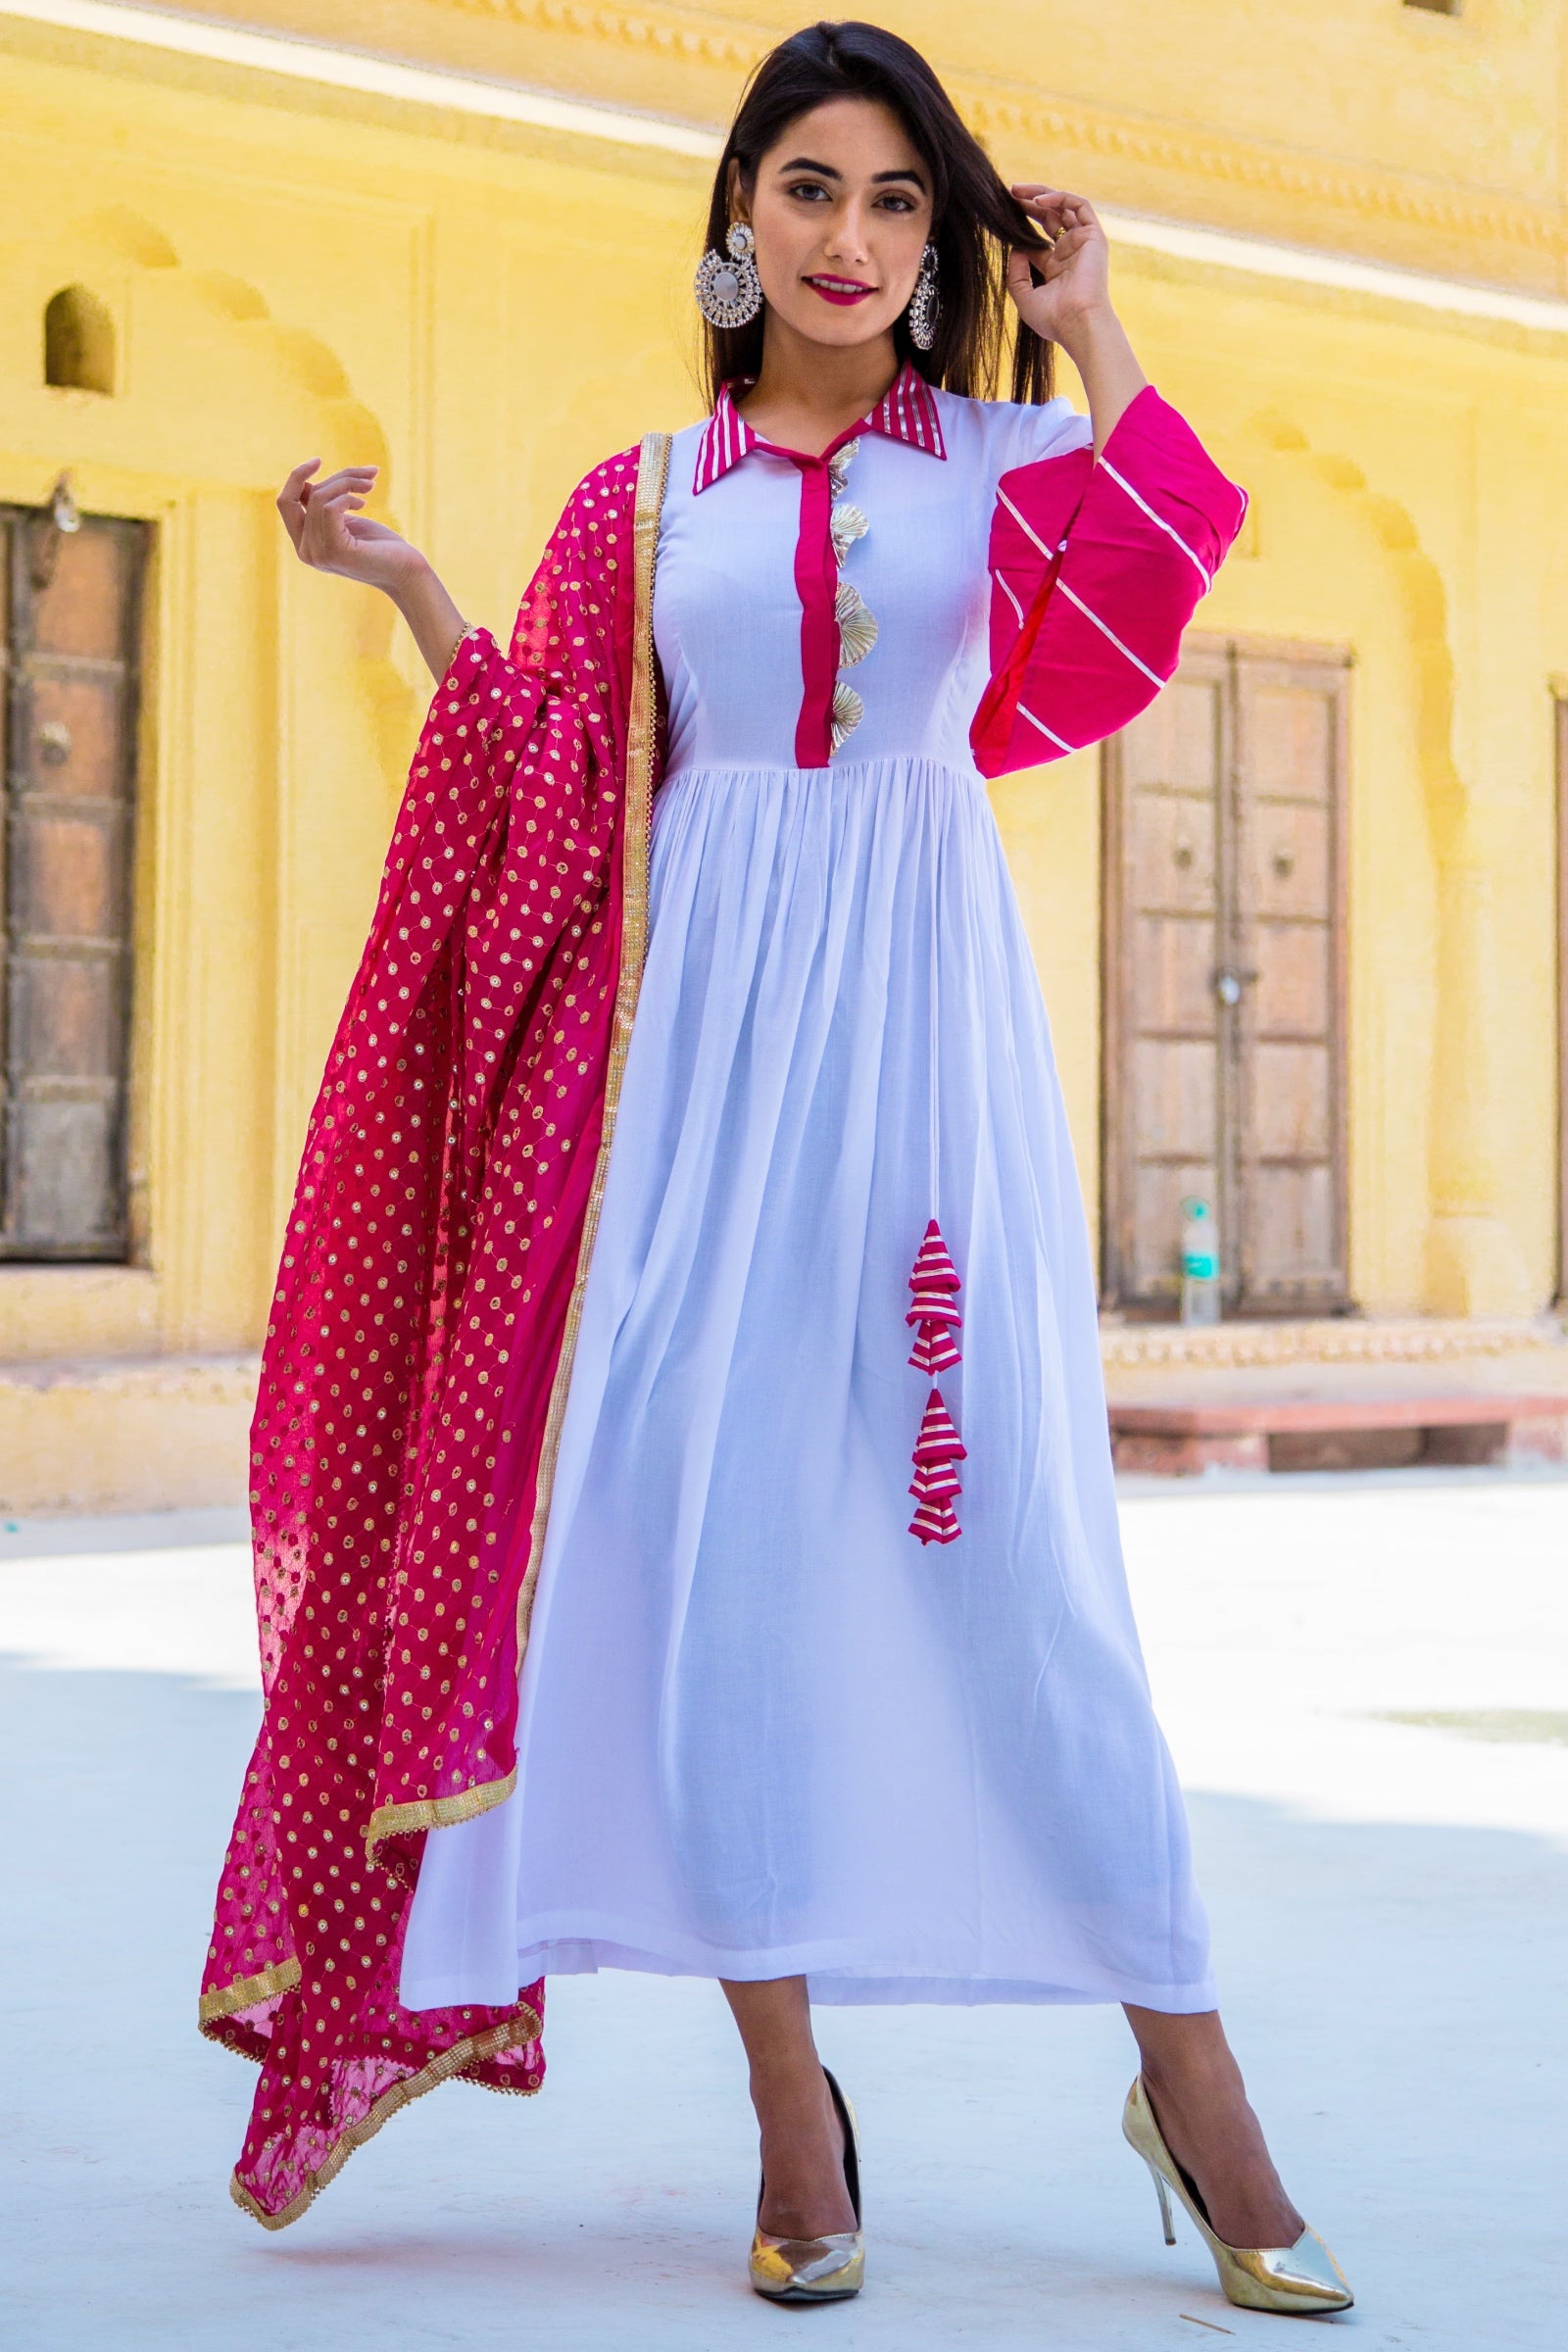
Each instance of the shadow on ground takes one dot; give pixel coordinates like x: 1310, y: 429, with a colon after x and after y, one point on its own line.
x: 1394, y: 1992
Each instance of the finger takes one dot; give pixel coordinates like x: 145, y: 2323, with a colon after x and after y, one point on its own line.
x: 1039, y: 201
x: 328, y: 513
x: 1029, y: 191
x: 1071, y: 242
x: 324, y: 524
x: 1052, y: 229
x: 1080, y: 217
x: 1021, y: 278
x: 1057, y: 211
x: 1072, y: 237
x: 349, y: 477
x: 292, y: 497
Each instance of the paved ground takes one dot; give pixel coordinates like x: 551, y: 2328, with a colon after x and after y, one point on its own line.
x: 1364, y: 1685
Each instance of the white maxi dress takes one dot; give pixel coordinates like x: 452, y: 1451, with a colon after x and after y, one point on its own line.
x: 764, y: 1731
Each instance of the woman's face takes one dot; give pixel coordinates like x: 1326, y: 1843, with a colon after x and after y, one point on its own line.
x: 841, y: 212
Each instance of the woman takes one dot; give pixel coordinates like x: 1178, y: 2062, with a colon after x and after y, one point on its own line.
x: 641, y: 1425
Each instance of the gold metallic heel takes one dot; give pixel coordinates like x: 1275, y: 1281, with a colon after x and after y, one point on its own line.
x: 1163, y: 2194
x: 1297, y: 2279
x: 815, y: 2270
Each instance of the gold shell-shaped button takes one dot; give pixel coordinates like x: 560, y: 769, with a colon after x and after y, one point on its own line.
x: 856, y: 624
x: 839, y: 464
x: 848, y: 712
x: 848, y: 525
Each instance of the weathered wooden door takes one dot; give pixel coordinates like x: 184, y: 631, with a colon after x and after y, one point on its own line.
x: 69, y: 634
x: 1223, y: 980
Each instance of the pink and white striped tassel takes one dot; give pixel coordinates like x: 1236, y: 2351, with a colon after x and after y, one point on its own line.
x: 935, y: 1483
x: 935, y: 1285
x: 934, y: 1314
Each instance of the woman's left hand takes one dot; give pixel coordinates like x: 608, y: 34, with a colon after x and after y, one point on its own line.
x: 1075, y: 268
x: 1072, y: 307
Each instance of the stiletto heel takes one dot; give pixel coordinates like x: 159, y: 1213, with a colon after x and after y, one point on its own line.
x: 1163, y: 2194
x: 815, y: 2270
x: 1297, y: 2279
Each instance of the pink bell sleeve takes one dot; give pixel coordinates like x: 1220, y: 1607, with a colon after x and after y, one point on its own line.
x: 1095, y: 566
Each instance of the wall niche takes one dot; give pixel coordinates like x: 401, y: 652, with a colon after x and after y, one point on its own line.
x: 78, y: 342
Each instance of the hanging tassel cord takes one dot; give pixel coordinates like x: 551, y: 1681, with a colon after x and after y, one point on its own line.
x: 934, y: 1314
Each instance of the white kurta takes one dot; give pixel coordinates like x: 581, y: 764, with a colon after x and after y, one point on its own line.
x: 765, y: 1731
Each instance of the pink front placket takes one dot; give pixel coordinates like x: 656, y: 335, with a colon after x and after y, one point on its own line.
x: 816, y: 581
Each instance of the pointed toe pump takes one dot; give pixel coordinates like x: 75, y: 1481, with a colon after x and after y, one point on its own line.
x: 815, y: 2270
x: 1303, y: 2280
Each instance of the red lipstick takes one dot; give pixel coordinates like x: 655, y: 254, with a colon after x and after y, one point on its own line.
x: 842, y: 290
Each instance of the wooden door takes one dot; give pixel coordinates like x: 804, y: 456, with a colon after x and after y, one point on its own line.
x: 71, y: 639
x: 1167, y: 852
x: 1223, y: 981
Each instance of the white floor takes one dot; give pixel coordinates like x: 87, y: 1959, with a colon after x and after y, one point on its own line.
x: 1392, y: 1932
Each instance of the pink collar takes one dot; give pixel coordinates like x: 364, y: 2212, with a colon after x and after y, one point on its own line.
x: 906, y: 411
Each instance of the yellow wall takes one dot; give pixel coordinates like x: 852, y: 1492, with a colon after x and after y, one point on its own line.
x: 487, y: 310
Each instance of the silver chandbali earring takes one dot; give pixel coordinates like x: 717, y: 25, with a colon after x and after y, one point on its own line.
x: 925, y: 303
x: 729, y: 293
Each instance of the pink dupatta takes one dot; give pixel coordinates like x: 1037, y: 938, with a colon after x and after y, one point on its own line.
x: 419, y: 1346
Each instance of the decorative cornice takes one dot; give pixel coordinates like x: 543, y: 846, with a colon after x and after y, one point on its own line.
x: 731, y: 42
x: 1451, y: 210
x: 1240, y: 1346
x: 1018, y: 112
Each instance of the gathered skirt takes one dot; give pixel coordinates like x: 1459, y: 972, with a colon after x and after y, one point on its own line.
x: 764, y: 1729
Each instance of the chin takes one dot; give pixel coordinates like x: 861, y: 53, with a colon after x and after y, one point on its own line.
x: 839, y: 330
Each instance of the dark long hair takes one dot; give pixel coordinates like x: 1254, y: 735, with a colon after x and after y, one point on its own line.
x: 975, y: 220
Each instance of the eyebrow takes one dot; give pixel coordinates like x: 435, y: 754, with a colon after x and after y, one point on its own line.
x: 804, y: 162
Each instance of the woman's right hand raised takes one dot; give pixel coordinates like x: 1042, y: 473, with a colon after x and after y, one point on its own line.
x: 330, y: 533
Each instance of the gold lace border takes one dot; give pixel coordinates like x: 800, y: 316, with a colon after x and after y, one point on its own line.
x: 247, y: 1992
x: 642, y: 736
x: 435, y: 1812
x: 525, y: 2026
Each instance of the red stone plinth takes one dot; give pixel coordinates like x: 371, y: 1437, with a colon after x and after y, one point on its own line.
x: 1181, y: 1438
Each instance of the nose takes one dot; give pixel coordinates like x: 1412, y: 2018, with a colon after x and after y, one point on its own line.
x: 847, y: 238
